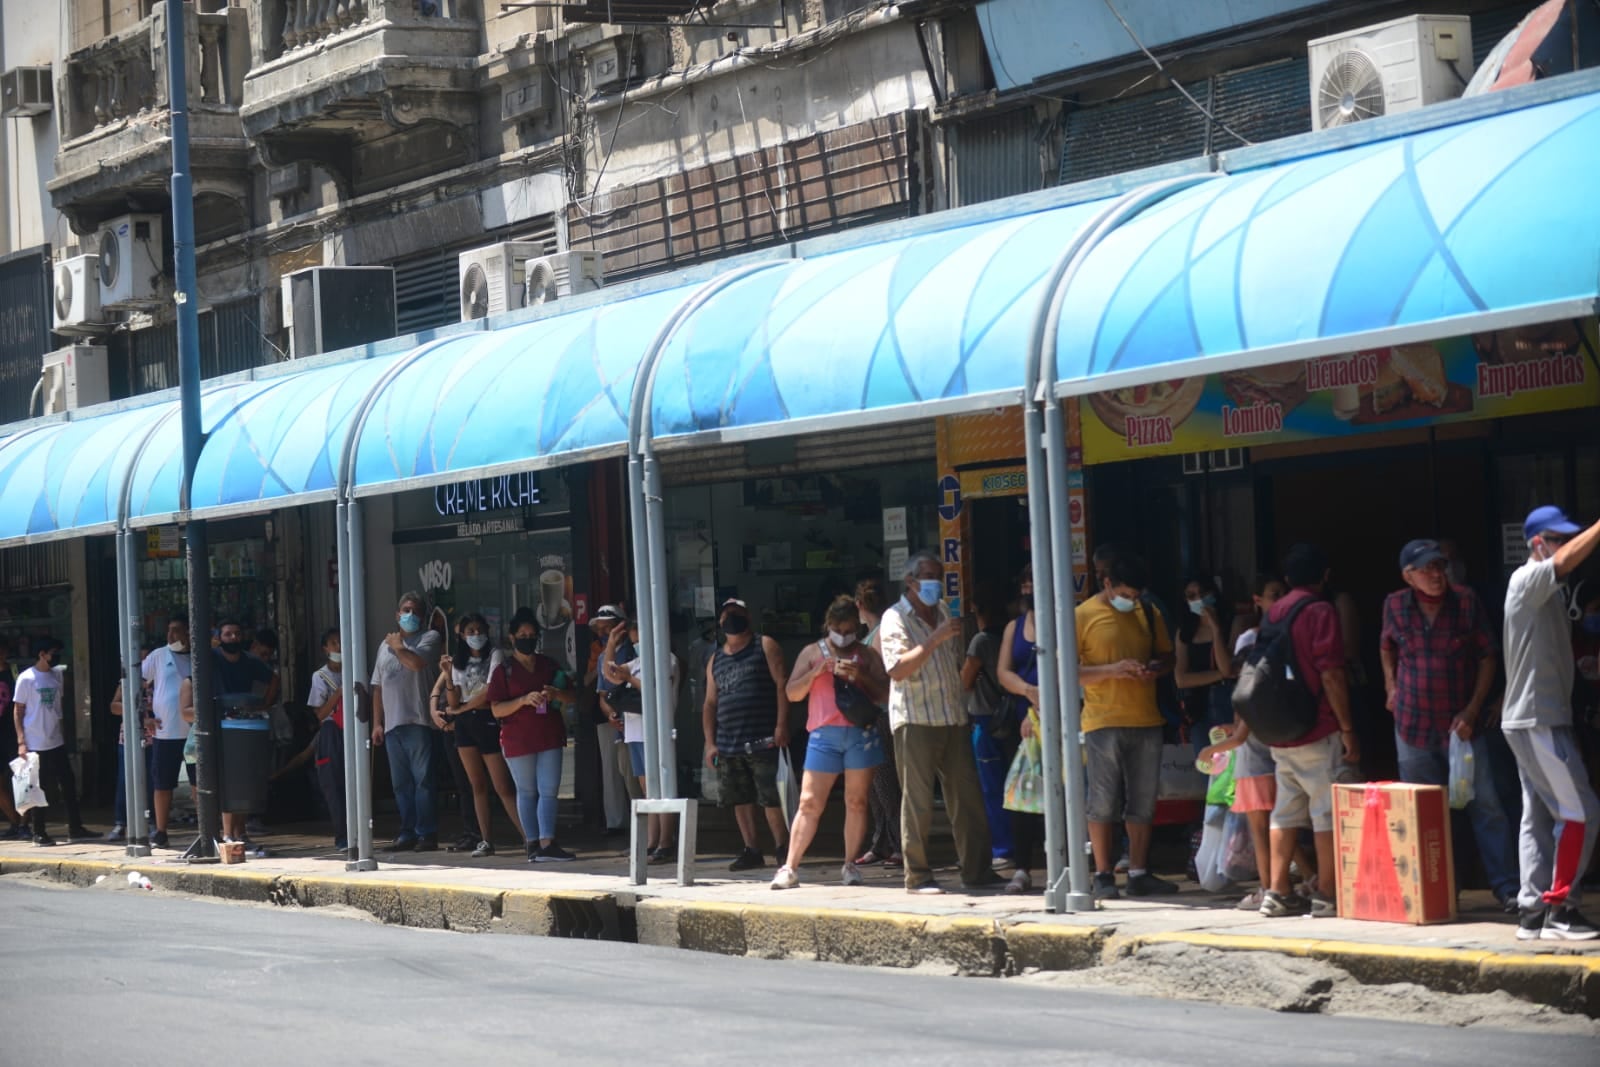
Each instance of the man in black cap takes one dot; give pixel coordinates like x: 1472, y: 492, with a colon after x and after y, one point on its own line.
x: 1438, y: 668
x: 1560, y: 813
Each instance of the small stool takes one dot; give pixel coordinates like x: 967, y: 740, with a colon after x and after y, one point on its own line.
x: 686, y: 811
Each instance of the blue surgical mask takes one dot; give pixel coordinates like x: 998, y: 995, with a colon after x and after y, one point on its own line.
x: 930, y: 591
x: 477, y: 641
x: 1591, y: 624
x: 1199, y: 606
x: 1123, y: 604
x: 409, y: 622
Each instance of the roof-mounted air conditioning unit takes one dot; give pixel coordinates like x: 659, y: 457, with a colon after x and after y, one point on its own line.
x: 565, y: 274
x: 76, y: 295
x: 494, y: 278
x: 329, y: 308
x: 129, y: 251
x: 74, y: 377
x: 1389, y: 68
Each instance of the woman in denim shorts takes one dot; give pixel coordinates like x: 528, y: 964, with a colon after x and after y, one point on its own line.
x: 835, y: 746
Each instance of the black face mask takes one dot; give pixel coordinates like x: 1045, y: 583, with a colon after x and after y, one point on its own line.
x: 734, y: 625
x: 525, y: 645
x: 231, y: 648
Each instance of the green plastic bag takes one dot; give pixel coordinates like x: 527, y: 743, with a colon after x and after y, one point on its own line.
x: 1025, y: 780
x: 1220, y: 791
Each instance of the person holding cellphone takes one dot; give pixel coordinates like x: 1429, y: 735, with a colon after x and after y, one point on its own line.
x: 533, y: 735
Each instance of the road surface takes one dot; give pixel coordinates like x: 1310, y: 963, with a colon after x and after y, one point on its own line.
x: 126, y: 977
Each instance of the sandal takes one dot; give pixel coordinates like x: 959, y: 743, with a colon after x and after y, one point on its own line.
x: 895, y: 860
x: 868, y: 858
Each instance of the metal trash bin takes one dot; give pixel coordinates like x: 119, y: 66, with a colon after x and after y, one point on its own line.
x: 246, y: 764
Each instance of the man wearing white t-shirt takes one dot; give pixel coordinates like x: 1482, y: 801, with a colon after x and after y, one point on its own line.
x: 163, y: 672
x: 38, y: 711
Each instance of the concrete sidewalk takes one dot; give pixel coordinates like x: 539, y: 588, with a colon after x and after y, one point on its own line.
x: 985, y: 933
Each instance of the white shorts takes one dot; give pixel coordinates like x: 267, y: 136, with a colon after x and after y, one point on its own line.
x: 1306, y: 774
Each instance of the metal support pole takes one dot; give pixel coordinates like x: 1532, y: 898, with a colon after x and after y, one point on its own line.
x: 197, y: 556
x: 1065, y: 636
x: 638, y: 511
x: 665, y: 752
x: 355, y: 668
x: 353, y: 730
x: 135, y: 791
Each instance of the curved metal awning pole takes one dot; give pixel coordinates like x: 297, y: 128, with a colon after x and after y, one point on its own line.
x: 135, y: 787
x: 648, y: 526
x: 1055, y: 632
x: 353, y: 624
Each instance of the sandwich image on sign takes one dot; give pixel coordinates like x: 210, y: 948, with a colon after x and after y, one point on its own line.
x: 1412, y: 384
x: 1283, y: 384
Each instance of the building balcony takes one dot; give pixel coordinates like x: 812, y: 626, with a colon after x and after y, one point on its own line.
x: 115, y: 151
x: 375, y: 92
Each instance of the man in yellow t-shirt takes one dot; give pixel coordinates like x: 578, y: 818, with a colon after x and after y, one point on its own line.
x: 1123, y: 647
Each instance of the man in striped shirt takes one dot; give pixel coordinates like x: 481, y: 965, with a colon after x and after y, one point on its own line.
x: 928, y: 716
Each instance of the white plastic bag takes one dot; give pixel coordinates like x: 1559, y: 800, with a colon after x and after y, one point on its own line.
x: 788, y: 787
x: 1461, y: 772
x: 26, y: 790
x: 1207, y: 861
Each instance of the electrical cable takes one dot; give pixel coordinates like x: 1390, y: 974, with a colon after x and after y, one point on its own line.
x: 1176, y: 84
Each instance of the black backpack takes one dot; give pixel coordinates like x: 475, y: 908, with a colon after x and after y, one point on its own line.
x: 1270, y: 696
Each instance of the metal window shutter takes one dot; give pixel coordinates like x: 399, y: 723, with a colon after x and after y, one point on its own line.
x: 155, y: 357
x: 1124, y: 135
x: 1489, y: 27
x: 34, y: 566
x: 231, y: 339
x: 25, y: 320
x: 425, y: 287
x: 1263, y: 103
x: 815, y: 453
x: 993, y: 158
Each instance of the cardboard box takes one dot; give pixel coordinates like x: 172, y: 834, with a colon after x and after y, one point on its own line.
x: 1393, y: 847
x: 230, y: 851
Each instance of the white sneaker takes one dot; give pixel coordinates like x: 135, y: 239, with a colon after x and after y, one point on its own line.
x: 785, y: 879
x: 1122, y: 865
x: 849, y: 875
x: 1020, y: 883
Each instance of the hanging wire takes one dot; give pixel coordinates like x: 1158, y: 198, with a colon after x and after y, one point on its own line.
x: 1176, y: 84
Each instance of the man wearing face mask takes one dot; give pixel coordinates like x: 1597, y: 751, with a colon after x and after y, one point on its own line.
x: 921, y: 650
x: 402, y: 677
x: 1560, y: 813
x: 1438, y: 668
x: 243, y: 684
x: 163, y: 672
x: 1121, y: 656
x: 38, y: 709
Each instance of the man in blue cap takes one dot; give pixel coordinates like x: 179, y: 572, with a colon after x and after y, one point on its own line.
x: 1560, y: 813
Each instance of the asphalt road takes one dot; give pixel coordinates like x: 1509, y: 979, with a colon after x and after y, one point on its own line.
x: 103, y: 976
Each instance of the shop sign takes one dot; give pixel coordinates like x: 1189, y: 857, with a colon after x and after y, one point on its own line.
x: 487, y: 494
x: 434, y: 575
x: 1484, y: 376
x: 1007, y: 481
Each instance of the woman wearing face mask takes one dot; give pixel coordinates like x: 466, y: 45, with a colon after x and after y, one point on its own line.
x: 533, y: 735
x: 1018, y: 672
x: 466, y: 688
x: 836, y: 665
x: 444, y: 719
x: 1204, y: 662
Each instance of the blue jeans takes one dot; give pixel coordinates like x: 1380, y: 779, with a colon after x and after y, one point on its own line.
x: 538, y: 779
x: 410, y: 750
x: 119, y: 806
x: 994, y: 756
x: 1493, y: 831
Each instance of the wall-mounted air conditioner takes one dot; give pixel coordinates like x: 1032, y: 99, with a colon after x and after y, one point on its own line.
x: 530, y: 96
x: 494, y: 278
x: 329, y: 308
x: 129, y: 252
x: 25, y: 92
x: 564, y: 274
x: 74, y: 377
x: 611, y: 63
x: 76, y: 292
x: 1389, y: 68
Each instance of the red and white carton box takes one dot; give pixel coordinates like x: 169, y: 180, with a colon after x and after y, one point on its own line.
x: 1395, y: 856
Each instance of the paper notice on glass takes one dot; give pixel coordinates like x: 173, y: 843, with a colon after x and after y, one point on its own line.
x: 705, y: 601
x: 894, y: 525
x: 897, y: 563
x: 169, y: 540
x: 1514, y: 550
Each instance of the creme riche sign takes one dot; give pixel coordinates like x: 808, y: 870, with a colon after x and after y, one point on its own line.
x: 458, y: 499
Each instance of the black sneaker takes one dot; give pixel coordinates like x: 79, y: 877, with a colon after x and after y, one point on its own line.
x: 1105, y: 886
x: 465, y: 843
x: 1284, y: 905
x: 158, y: 839
x: 1530, y: 924
x: 43, y: 840
x: 553, y: 853
x: 428, y: 843
x: 748, y: 860
x: 662, y: 854
x: 533, y: 851
x: 1148, y: 885
x: 484, y: 848
x: 81, y: 833
x: 403, y: 844
x: 1564, y: 923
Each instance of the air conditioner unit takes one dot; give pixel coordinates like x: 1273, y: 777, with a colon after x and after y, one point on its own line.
x: 74, y: 377
x: 1389, y: 68
x: 566, y: 274
x: 329, y: 308
x: 494, y: 279
x: 26, y: 92
x: 76, y: 300
x: 129, y: 253
x: 530, y: 95
x: 613, y: 62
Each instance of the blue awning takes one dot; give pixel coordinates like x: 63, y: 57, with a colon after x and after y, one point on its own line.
x: 513, y: 398
x: 1479, y: 225
x: 66, y: 477
x: 940, y: 320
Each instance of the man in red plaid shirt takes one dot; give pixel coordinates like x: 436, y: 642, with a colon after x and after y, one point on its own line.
x: 1438, y: 667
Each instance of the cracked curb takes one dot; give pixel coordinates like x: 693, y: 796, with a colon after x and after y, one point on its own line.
x: 960, y: 945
